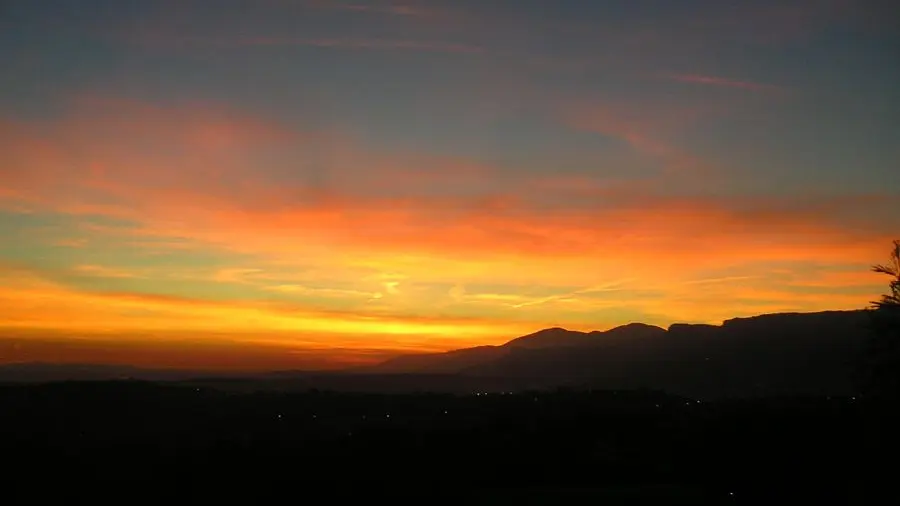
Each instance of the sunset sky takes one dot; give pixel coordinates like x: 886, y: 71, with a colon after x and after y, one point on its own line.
x: 318, y: 183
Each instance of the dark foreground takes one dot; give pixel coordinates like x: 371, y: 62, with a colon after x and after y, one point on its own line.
x: 134, y: 441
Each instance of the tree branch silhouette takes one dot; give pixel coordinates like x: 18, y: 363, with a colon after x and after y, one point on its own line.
x: 882, y: 368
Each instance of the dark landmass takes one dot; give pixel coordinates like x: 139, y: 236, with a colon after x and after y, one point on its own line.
x: 38, y: 372
x: 136, y: 441
x: 777, y: 354
x: 755, y: 410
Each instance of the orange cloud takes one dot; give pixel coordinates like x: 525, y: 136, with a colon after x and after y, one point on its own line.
x: 388, y: 234
x: 206, y: 192
x: 104, y: 272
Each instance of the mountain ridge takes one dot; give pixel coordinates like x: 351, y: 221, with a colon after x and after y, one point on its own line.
x: 769, y: 353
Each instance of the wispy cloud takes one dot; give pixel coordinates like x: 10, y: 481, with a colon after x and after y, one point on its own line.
x: 725, y: 279
x: 342, y: 43
x: 572, y: 295
x: 647, y: 130
x: 169, y: 41
x: 104, y: 272
x: 722, y: 81
x: 391, y: 9
x: 234, y: 275
x: 71, y: 242
x: 295, y: 289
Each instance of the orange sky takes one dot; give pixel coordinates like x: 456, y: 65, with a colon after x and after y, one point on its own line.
x: 164, y: 214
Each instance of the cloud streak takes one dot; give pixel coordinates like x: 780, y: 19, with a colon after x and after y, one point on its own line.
x: 722, y: 81
x: 176, y: 41
x: 646, y: 130
x: 104, y: 272
x: 390, y: 9
x: 341, y: 43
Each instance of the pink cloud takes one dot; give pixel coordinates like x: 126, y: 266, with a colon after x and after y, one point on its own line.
x: 391, y: 9
x: 721, y: 81
x: 647, y: 130
x: 375, y: 203
x: 161, y: 40
x: 342, y: 43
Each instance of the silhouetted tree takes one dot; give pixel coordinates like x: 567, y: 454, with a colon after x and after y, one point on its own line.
x: 883, y: 365
x: 892, y: 269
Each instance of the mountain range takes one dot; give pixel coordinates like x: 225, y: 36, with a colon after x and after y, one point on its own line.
x: 787, y: 353
x: 773, y: 354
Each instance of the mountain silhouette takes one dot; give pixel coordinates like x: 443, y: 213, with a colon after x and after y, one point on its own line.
x: 460, y: 360
x: 773, y: 354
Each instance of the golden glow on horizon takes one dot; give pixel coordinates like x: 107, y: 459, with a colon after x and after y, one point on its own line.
x: 36, y: 304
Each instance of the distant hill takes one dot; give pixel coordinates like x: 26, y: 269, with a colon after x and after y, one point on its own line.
x: 774, y: 354
x: 558, y: 337
x: 39, y: 372
x: 791, y: 353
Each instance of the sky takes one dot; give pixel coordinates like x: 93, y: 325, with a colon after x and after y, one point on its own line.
x: 282, y: 184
